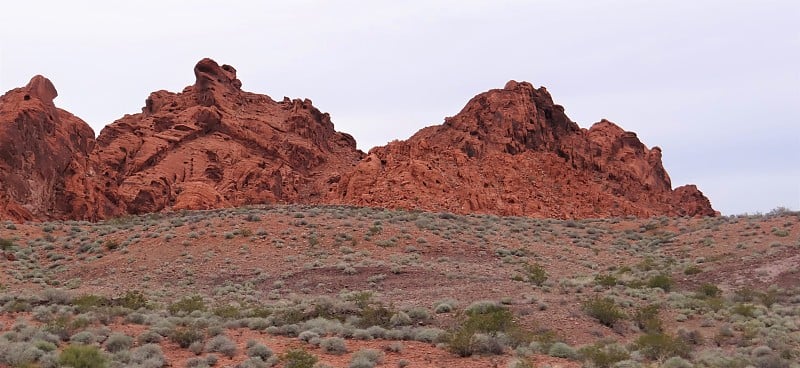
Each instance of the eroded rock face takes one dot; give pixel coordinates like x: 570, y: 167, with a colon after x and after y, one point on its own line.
x: 512, y: 151
x: 45, y: 168
x: 214, y: 145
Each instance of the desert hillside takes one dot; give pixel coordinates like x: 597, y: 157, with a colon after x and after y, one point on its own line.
x: 344, y: 286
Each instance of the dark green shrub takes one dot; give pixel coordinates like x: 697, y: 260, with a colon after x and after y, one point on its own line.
x: 604, y: 355
x: 88, y: 302
x: 535, y: 273
x: 82, y: 356
x: 184, y: 337
x: 659, y: 346
x: 604, y: 310
x: 606, y: 280
x: 478, y: 330
x: 692, y: 270
x: 133, y: 299
x: 377, y: 315
x: 6, y: 244
x: 227, y: 311
x: 188, y: 304
x: 647, y: 319
x: 662, y: 281
x: 298, y: 358
x: 708, y: 291
x: 747, y: 310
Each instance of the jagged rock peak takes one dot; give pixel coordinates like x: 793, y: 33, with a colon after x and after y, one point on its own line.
x: 214, y: 81
x: 42, y: 89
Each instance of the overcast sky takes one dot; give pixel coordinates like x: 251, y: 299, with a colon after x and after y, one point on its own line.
x: 715, y: 84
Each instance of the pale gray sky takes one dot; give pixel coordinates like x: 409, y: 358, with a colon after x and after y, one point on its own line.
x: 716, y: 84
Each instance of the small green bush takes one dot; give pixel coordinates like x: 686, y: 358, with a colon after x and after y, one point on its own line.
x: 133, y: 299
x: 606, y: 280
x: 256, y: 350
x: 485, y: 319
x: 647, y: 319
x: 708, y: 291
x: 535, y: 273
x: 604, y: 310
x: 661, y: 281
x: 187, y: 305
x: 184, y: 337
x: 562, y: 350
x: 659, y: 346
x: 88, y: 302
x: 604, y: 355
x: 298, y: 358
x: 82, y: 356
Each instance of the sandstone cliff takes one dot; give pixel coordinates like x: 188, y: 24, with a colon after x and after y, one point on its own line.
x: 45, y: 168
x: 510, y: 151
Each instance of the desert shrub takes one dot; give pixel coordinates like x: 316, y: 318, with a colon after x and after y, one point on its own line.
x: 227, y: 311
x: 88, y: 302
x: 535, y: 273
x: 118, y: 342
x: 133, y: 299
x: 562, y: 350
x: 606, y: 280
x: 333, y: 345
x: 676, y: 362
x: 83, y: 337
x: 298, y: 358
x: 604, y: 310
x: 443, y: 307
x: 56, y: 296
x: 366, y: 358
x: 400, y: 319
x: 485, y: 318
x: 148, y: 337
x: 308, y: 336
x: 254, y: 362
x: 6, y: 244
x: 376, y: 315
x: 746, y: 310
x: 221, y: 344
x: 647, y: 319
x: 201, y: 363
x: 148, y: 355
x: 185, y: 336
x: 82, y: 356
x: 659, y: 346
x: 19, y: 354
x: 604, y: 355
x: 661, y: 281
x: 187, y: 305
x: 708, y: 291
x: 259, y: 351
x: 692, y: 270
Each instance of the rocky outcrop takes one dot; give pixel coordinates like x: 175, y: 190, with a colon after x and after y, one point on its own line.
x: 214, y: 145
x: 45, y: 168
x: 512, y: 151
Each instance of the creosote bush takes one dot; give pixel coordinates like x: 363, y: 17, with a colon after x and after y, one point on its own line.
x: 659, y: 346
x: 604, y: 310
x: 480, y: 330
x: 298, y: 358
x: 82, y: 356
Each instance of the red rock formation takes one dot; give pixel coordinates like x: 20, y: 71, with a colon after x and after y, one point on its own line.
x: 512, y: 151
x: 214, y: 145
x: 45, y: 171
